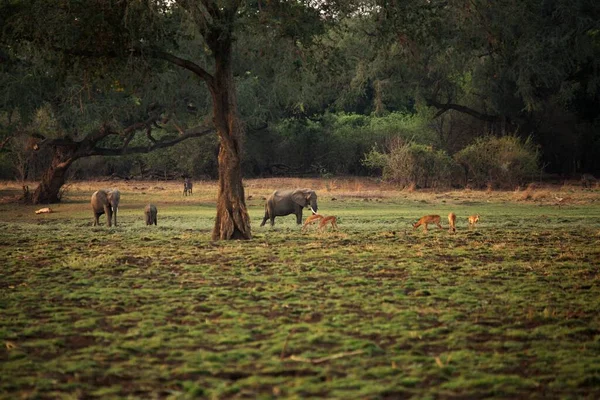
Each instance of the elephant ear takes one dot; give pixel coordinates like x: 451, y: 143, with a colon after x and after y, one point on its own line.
x: 300, y: 197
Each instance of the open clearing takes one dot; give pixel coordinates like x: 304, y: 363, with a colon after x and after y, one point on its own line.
x: 510, y: 309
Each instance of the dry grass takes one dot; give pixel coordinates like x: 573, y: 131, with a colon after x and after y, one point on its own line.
x: 336, y: 188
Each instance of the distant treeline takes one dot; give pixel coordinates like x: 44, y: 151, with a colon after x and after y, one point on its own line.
x: 406, y: 149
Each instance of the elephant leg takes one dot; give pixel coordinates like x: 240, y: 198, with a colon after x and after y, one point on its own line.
x: 96, y: 219
x: 267, y: 216
x: 299, y: 217
x: 264, y: 221
x: 108, y: 212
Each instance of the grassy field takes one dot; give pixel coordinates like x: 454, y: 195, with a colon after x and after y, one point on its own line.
x: 510, y: 309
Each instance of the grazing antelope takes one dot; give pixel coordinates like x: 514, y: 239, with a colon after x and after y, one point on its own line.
x: 428, y: 219
x: 473, y: 219
x: 452, y: 222
x: 310, y: 220
x: 328, y: 220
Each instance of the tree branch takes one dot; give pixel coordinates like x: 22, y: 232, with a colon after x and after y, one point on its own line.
x: 149, y: 134
x: 128, y: 132
x: 463, y: 109
x: 193, y: 132
x: 154, y: 53
x: 187, y: 64
x: 98, y: 135
x: 5, y: 141
x: 127, y: 140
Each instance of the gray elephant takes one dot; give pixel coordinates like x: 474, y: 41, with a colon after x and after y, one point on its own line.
x: 150, y: 212
x: 105, y: 202
x: 286, y: 202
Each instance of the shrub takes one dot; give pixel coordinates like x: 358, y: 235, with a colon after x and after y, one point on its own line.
x: 502, y: 162
x: 413, y: 164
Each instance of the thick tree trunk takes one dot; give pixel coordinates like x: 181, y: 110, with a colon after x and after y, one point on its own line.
x: 55, y: 176
x: 232, y: 221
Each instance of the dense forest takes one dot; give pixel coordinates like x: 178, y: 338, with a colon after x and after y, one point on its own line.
x: 423, y: 92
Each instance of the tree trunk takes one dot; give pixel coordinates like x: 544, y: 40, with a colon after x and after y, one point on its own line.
x: 232, y: 220
x: 55, y: 176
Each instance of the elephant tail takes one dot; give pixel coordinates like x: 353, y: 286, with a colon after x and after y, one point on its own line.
x: 266, y: 217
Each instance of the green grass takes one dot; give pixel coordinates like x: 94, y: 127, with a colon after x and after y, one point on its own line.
x: 507, y: 310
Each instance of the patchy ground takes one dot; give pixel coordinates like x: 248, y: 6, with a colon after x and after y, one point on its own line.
x: 508, y: 309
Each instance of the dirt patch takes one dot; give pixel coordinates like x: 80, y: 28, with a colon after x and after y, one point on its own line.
x: 79, y: 342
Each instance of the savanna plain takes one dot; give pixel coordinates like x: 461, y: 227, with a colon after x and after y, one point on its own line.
x: 508, y: 309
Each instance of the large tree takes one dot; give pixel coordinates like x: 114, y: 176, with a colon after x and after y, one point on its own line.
x: 195, y: 36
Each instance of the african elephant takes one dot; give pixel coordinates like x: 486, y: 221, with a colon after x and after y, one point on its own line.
x: 114, y: 197
x: 101, y: 205
x: 105, y: 202
x: 286, y: 202
x: 150, y: 212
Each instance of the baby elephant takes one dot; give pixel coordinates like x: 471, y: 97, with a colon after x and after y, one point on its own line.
x: 150, y: 212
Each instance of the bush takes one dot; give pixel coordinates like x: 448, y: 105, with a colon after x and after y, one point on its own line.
x: 354, y: 134
x: 503, y: 162
x: 334, y: 143
x: 414, y: 164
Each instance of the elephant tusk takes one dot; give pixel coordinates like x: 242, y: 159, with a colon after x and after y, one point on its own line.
x: 312, y: 209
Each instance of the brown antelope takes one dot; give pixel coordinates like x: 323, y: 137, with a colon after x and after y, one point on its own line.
x: 311, y: 220
x: 428, y: 219
x: 452, y: 222
x: 473, y: 219
x: 328, y: 220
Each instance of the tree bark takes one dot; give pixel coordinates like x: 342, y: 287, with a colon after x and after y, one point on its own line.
x: 48, y: 191
x: 232, y: 221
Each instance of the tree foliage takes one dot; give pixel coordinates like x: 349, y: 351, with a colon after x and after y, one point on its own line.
x: 309, y: 87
